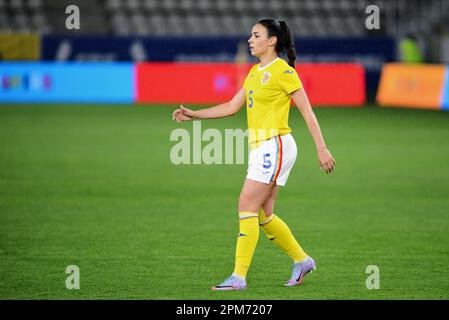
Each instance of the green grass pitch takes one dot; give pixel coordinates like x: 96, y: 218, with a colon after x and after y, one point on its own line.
x: 93, y: 186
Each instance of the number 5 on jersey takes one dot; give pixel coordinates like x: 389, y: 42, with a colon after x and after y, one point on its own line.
x: 250, y: 98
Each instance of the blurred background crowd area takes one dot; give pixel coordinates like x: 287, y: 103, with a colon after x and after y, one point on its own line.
x: 223, y: 17
x: 370, y: 34
x: 424, y: 22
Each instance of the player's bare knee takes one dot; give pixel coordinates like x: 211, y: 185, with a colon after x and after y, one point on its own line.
x: 247, y: 203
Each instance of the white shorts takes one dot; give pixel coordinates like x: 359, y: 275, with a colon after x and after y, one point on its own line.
x: 272, y: 160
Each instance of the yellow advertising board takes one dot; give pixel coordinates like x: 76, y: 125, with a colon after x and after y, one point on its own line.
x: 19, y: 46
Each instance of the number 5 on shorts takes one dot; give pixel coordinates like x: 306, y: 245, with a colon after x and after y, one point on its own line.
x: 266, y: 161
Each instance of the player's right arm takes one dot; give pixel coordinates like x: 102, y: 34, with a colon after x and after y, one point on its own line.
x: 219, y: 111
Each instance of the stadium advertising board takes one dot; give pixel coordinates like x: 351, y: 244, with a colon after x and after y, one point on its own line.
x: 67, y: 82
x: 445, y: 103
x: 170, y: 83
x: 19, y: 46
x: 205, y: 83
x: 334, y: 84
x: 372, y: 53
x: 414, y: 86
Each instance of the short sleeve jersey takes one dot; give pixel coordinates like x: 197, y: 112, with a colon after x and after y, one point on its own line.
x: 268, y: 98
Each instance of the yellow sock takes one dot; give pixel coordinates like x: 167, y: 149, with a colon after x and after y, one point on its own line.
x: 246, y: 242
x: 278, y: 232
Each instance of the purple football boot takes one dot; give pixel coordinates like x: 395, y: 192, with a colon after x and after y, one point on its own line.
x: 300, y: 270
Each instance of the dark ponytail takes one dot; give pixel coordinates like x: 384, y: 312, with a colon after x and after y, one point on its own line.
x: 289, y: 43
x: 285, y: 39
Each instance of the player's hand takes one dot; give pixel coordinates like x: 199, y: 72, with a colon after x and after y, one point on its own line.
x: 187, y: 112
x: 327, y: 162
x: 183, y: 114
x: 181, y: 117
x: 176, y: 114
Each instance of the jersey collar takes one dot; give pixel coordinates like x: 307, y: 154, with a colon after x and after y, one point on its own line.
x: 260, y: 69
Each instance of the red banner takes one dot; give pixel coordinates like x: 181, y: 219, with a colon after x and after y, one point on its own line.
x: 329, y: 84
x: 213, y: 83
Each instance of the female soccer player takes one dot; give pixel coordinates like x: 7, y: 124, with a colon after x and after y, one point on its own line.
x: 267, y: 89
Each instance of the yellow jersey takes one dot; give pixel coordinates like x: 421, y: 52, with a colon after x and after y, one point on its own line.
x: 268, y: 97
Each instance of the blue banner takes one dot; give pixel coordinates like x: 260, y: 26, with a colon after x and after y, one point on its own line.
x: 371, y: 52
x: 138, y: 49
x: 445, y: 95
x: 69, y: 83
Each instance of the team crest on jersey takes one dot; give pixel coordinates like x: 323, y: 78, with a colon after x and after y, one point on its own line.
x: 266, y: 77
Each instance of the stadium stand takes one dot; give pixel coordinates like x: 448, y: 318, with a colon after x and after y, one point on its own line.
x: 220, y: 17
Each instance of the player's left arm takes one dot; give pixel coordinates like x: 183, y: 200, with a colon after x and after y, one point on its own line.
x: 327, y: 162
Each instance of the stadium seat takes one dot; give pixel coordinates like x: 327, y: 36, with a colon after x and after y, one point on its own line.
x: 113, y: 5
x: 16, y: 5
x: 35, y: 4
